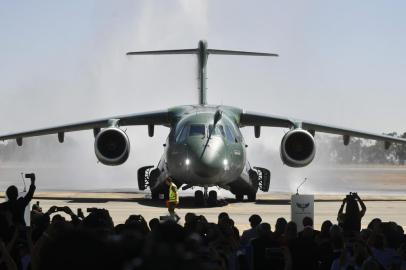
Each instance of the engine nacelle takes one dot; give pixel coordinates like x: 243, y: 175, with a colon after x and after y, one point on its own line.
x: 112, y: 146
x: 298, y: 148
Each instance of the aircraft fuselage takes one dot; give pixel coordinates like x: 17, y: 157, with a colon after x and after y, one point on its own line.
x: 200, y: 152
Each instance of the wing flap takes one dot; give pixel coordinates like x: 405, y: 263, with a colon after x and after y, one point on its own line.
x: 149, y: 118
x: 350, y: 132
x: 258, y: 119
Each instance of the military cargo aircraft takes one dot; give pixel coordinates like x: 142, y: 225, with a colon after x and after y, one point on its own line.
x: 205, y: 147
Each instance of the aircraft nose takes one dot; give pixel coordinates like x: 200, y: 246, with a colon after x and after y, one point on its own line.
x: 207, y: 159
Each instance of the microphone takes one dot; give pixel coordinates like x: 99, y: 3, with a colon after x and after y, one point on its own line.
x: 297, y: 190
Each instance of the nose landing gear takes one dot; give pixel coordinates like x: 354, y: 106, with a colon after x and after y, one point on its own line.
x: 205, y: 198
x: 212, y: 199
x: 199, y: 198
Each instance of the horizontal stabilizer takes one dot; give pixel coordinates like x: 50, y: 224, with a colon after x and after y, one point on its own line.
x: 195, y: 51
x: 228, y: 52
x: 202, y: 53
x: 182, y: 51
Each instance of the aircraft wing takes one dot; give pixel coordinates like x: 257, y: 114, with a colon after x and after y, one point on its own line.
x: 257, y: 119
x: 149, y: 118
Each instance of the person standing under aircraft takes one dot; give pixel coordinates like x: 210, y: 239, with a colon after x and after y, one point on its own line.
x: 173, y: 200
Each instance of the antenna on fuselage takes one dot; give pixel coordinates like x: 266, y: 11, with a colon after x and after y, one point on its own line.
x: 202, y: 53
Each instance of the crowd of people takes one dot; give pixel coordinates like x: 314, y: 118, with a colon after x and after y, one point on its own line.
x: 93, y: 241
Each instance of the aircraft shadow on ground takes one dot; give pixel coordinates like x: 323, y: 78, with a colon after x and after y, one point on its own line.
x: 188, y: 202
x: 273, y: 202
x: 185, y: 202
x: 100, y: 200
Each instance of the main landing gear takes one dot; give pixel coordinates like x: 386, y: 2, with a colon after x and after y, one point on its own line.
x: 260, y: 179
x: 147, y: 177
x: 203, y: 198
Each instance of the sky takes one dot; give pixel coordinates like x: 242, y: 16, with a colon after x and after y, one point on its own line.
x: 341, y: 62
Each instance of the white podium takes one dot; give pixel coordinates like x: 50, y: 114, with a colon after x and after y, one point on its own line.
x: 301, y: 206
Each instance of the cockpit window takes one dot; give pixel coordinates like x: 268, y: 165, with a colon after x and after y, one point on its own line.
x: 182, y: 134
x: 217, y: 131
x: 197, y: 130
x: 230, y: 136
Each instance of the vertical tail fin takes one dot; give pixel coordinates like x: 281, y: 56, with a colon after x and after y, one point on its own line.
x: 202, y: 53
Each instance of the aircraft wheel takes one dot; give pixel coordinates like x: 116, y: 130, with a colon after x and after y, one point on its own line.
x: 199, y: 197
x: 252, y: 197
x: 212, y: 200
x: 141, y: 183
x: 239, y: 197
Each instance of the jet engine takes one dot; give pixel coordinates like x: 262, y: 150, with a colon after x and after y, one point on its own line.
x: 112, y: 146
x: 297, y: 148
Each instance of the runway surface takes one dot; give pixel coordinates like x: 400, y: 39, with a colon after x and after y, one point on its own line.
x: 268, y: 206
x: 382, y: 187
x: 367, y: 180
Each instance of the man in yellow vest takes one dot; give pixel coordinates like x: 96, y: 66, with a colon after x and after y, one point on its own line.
x: 173, y: 198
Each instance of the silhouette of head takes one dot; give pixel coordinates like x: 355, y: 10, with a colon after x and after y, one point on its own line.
x: 375, y: 225
x: 58, y: 219
x: 264, y: 229
x: 336, y: 232
x: 307, y: 221
x: 154, y: 224
x: 168, y: 180
x: 280, y: 225
x: 325, y: 227
x: 36, y: 207
x: 255, y: 220
x: 190, y: 217
x: 291, y: 230
x: 12, y: 193
x: 222, y: 216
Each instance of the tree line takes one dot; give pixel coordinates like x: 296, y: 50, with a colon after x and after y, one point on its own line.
x: 361, y: 151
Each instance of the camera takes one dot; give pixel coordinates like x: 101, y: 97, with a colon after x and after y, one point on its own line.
x: 352, y: 195
x: 30, y: 176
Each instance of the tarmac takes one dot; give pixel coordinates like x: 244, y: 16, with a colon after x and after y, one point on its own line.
x: 268, y: 206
